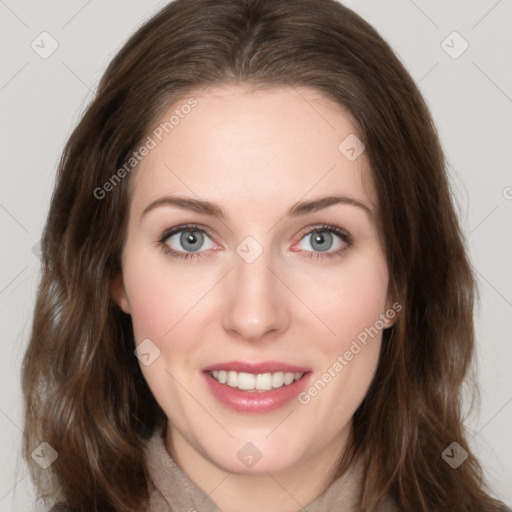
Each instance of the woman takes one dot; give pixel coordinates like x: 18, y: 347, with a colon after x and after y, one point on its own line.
x: 256, y: 202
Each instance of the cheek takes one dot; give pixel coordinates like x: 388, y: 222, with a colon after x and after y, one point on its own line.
x: 161, y: 301
x: 348, y: 299
x: 161, y: 295
x: 350, y: 305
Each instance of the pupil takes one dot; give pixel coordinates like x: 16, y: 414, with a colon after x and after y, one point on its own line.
x: 320, y: 241
x: 189, y: 238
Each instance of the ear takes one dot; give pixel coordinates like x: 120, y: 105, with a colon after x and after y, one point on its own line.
x: 118, y: 293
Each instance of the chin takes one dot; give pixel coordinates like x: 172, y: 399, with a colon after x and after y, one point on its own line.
x: 250, y: 458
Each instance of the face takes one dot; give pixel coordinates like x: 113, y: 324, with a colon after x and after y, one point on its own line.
x: 261, y: 314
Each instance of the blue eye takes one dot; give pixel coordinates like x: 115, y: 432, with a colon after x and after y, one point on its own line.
x: 187, y: 238
x: 321, y: 239
x: 187, y: 241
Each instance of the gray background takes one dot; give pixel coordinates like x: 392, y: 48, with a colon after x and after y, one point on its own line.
x: 471, y: 100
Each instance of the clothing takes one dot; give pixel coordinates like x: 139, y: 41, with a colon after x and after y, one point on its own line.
x: 174, y: 491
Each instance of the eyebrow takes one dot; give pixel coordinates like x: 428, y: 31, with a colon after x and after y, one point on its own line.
x: 214, y: 210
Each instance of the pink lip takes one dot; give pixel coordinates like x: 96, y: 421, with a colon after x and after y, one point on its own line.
x: 255, y: 401
x: 263, y: 367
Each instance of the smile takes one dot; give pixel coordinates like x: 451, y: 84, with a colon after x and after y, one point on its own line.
x: 251, y: 382
x: 263, y: 390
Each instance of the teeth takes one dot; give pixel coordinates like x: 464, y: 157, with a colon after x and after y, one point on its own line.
x: 252, y: 382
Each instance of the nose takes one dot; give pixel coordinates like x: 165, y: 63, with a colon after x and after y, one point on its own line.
x: 255, y: 301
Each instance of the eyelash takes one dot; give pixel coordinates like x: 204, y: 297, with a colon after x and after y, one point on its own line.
x: 347, y: 239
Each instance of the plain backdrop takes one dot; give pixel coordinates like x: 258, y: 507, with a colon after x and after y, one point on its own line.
x: 469, y: 91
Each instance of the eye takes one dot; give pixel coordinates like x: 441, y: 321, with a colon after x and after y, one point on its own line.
x: 322, y: 239
x: 192, y: 241
x: 184, y: 241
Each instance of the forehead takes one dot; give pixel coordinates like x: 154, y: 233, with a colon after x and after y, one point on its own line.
x: 241, y: 147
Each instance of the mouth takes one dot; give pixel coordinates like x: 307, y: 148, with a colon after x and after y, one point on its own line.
x: 255, y: 387
x: 255, y: 382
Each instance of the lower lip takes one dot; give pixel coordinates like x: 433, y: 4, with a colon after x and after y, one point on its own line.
x: 255, y: 401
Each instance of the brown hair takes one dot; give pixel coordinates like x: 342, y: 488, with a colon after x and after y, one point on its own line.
x: 83, y: 388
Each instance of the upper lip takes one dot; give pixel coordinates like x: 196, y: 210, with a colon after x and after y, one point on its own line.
x: 256, y: 368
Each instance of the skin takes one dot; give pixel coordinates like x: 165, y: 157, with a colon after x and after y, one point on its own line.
x: 255, y: 154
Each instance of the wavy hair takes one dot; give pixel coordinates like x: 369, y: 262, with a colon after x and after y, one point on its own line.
x: 84, y: 392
